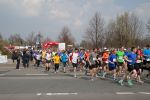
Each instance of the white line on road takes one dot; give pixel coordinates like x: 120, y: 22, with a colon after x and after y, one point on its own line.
x: 61, y: 93
x: 8, y: 67
x: 56, y: 94
x: 125, y: 93
x: 37, y: 74
x: 144, y: 92
x: 39, y: 94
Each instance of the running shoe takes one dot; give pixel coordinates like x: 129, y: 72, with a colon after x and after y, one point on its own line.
x: 121, y: 82
x: 130, y: 83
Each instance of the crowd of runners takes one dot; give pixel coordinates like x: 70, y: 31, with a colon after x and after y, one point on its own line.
x: 128, y: 64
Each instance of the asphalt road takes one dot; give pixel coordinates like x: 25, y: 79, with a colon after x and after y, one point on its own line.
x: 35, y: 84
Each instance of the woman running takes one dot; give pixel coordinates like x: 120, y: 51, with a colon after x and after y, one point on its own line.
x: 48, y: 60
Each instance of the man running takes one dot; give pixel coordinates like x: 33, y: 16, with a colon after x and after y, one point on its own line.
x: 43, y: 57
x: 93, y: 67
x: 48, y: 60
x: 112, y: 63
x: 64, y: 59
x: 75, y: 59
x: 120, y: 60
x: 87, y: 61
x: 131, y: 74
x: 146, y: 53
x: 56, y: 59
x: 105, y: 62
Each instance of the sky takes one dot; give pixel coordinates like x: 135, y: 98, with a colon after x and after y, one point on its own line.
x: 50, y: 16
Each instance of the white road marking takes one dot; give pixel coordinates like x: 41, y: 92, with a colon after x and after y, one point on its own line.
x: 125, y: 93
x: 39, y: 94
x: 53, y: 94
x: 56, y: 94
x: 38, y: 77
x: 36, y: 74
x: 8, y: 67
x: 144, y: 92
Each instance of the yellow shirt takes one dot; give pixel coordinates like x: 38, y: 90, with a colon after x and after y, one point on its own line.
x: 56, y: 59
x: 43, y: 54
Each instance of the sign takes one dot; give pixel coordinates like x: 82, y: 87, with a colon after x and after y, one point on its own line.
x: 61, y: 46
x: 3, y: 59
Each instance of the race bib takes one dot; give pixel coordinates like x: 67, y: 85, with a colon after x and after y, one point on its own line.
x: 114, y: 60
x: 106, y: 62
x: 120, y: 58
x: 94, y: 59
x: 148, y: 59
x: 138, y: 61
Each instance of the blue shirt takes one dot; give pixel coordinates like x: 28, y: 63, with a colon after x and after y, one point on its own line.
x: 81, y: 55
x: 64, y: 57
x: 146, y: 51
x: 126, y: 53
x: 112, y: 58
x: 132, y: 56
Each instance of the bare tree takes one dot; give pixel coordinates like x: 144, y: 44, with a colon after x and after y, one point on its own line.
x: 136, y: 29
x: 148, y: 25
x: 110, y: 34
x: 85, y: 44
x: 16, y: 39
x: 95, y: 31
x: 66, y: 36
x: 126, y: 31
x: 31, y: 39
x: 1, y: 37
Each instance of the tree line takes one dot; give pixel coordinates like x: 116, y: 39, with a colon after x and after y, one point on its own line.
x: 126, y: 29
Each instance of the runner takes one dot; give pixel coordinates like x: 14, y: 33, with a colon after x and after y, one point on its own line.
x: 138, y: 65
x: 81, y: 60
x: 64, y: 59
x: 38, y: 58
x: 75, y: 58
x: 48, y: 60
x: 25, y: 59
x: 105, y: 62
x: 34, y: 57
x: 120, y: 60
x: 146, y: 53
x: 44, y: 57
x: 87, y: 61
x: 131, y: 74
x: 93, y: 66
x: 56, y: 59
x: 112, y: 63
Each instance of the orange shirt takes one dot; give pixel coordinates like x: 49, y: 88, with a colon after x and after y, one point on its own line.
x: 105, y: 56
x: 87, y: 54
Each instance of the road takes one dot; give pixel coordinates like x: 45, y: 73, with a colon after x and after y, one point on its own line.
x: 35, y: 84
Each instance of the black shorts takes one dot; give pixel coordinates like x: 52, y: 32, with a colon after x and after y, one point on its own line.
x: 130, y: 68
x: 48, y: 61
x: 98, y: 64
x: 138, y: 66
x: 104, y: 64
x: 75, y: 65
x: 120, y: 64
x: 92, y: 66
x: 146, y: 62
x: 64, y: 64
x: 112, y: 68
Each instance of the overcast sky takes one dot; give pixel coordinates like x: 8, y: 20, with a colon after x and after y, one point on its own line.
x: 49, y: 16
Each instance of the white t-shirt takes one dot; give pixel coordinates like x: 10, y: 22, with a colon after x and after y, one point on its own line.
x: 75, y: 57
x: 38, y: 56
x: 48, y: 56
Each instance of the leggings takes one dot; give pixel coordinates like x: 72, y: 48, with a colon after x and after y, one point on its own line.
x: 56, y: 67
